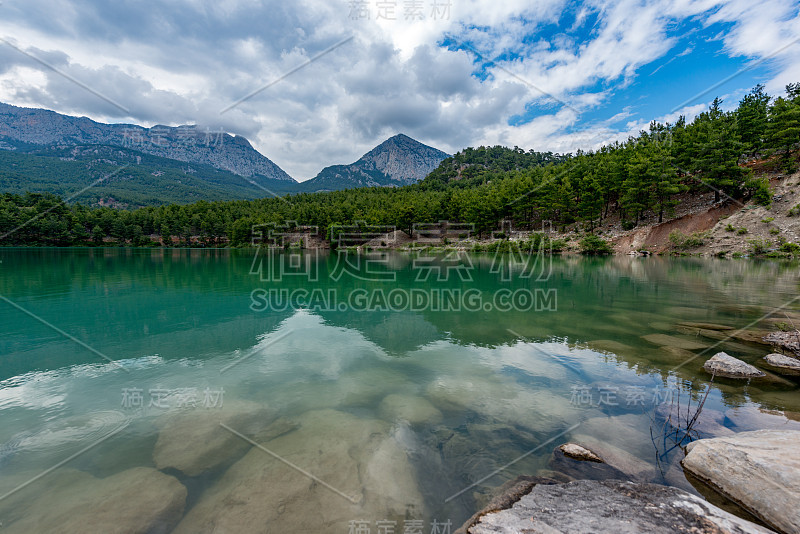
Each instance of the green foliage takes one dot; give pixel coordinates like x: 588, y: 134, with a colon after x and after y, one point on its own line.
x: 741, y: 231
x: 774, y: 231
x: 767, y: 219
x: 593, y: 244
x: 783, y: 128
x: 751, y: 119
x: 121, y: 177
x: 474, y: 165
x: 791, y: 248
x: 794, y: 211
x: 730, y: 228
x: 759, y: 247
x: 758, y: 189
x: 682, y: 241
x: 641, y: 178
x: 718, y: 151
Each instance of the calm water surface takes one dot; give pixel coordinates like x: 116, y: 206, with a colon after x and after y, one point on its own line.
x: 359, y: 415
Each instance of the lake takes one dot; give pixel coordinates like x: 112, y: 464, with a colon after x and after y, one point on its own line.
x: 279, y: 391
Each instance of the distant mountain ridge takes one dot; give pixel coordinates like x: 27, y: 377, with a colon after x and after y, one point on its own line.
x: 187, y: 143
x: 400, y: 160
x: 43, y: 151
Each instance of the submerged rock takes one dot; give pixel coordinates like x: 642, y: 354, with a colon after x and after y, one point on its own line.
x: 749, y: 336
x: 727, y: 366
x: 758, y: 470
x: 629, y: 432
x: 578, y: 452
x: 414, y: 410
x: 709, y: 423
x: 537, y: 409
x: 705, y: 326
x: 786, y: 364
x: 609, y: 506
x: 194, y: 441
x: 609, y: 345
x: 578, y: 469
x: 343, y: 468
x: 785, y: 340
x: 711, y: 334
x: 754, y: 418
x: 139, y: 500
x: 632, y: 466
x: 665, y: 340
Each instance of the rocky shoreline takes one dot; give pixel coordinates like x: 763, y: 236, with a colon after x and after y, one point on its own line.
x: 759, y: 471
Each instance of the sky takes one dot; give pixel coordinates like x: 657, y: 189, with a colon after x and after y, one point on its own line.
x: 313, y: 83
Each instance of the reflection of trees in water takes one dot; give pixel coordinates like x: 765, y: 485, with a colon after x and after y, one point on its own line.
x: 154, y: 298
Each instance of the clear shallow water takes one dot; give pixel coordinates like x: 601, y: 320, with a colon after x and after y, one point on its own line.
x: 413, y: 414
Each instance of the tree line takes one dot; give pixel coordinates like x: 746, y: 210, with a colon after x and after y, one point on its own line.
x: 642, y: 177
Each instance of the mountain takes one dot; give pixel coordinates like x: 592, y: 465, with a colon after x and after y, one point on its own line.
x: 26, y: 128
x: 124, y: 178
x: 397, y: 161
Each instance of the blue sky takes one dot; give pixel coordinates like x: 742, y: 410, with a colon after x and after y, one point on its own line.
x: 340, y: 76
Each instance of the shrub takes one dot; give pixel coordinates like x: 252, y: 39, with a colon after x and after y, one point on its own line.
x: 774, y: 231
x: 768, y: 219
x: 592, y: 244
x: 791, y: 248
x: 794, y: 211
x: 682, y: 241
x: 759, y: 246
x: 761, y: 193
x: 741, y: 231
x: 730, y: 228
x: 628, y: 225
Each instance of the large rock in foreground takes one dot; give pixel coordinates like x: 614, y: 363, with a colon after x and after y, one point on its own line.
x: 759, y: 470
x: 722, y: 364
x: 610, y: 506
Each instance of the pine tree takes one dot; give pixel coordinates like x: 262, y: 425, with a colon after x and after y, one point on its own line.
x: 751, y: 117
x: 719, y: 150
x: 784, y: 123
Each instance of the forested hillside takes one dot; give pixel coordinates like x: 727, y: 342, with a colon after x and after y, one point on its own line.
x: 642, y: 177
x: 96, y: 174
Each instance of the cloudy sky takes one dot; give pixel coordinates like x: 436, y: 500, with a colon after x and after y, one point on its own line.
x: 317, y: 82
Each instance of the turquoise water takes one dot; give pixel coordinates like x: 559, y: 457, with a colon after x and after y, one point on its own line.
x: 342, y: 401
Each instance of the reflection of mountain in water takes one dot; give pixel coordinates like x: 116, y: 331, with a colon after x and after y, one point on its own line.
x: 193, y: 303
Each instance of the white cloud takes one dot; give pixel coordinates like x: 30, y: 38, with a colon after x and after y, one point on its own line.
x: 184, y: 61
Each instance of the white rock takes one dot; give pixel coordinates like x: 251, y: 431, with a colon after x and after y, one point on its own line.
x: 783, y: 362
x: 578, y: 452
x: 759, y: 470
x: 722, y: 364
x: 610, y: 506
